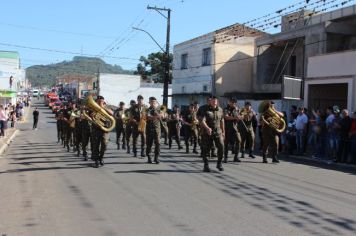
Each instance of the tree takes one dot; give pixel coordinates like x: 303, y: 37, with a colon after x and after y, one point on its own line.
x: 153, y: 67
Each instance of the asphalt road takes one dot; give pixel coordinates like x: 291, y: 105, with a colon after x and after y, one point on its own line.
x: 45, y: 190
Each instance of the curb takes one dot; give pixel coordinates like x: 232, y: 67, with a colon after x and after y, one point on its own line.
x: 8, y: 141
x: 327, y: 163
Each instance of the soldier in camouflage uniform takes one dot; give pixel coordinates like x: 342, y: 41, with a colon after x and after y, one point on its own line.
x: 247, y: 132
x: 59, y: 119
x: 174, y: 127
x: 129, y: 124
x: 99, y: 138
x: 137, y: 114
x: 77, y: 134
x: 164, y: 126
x: 153, y: 130
x: 120, y: 127
x: 213, y: 131
x: 191, y: 124
x: 232, y: 134
x: 86, y: 133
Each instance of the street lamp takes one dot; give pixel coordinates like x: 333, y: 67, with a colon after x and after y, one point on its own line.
x: 135, y: 28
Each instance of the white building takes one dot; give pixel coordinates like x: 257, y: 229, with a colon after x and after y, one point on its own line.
x: 11, y: 76
x: 118, y: 87
x: 219, y: 63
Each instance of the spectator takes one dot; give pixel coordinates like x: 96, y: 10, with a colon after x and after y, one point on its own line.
x: 3, y: 121
x: 344, y: 143
x: 353, y: 139
x: 13, y: 119
x: 314, y: 138
x: 291, y: 134
x: 301, y: 127
x: 334, y: 133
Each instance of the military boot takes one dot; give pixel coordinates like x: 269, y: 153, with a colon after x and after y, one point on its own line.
x: 101, y: 161
x: 206, y: 168
x: 143, y: 153
x: 242, y: 154
x: 128, y: 151
x: 156, y: 159
x: 275, y: 160
x: 264, y: 158
x: 118, y: 146
x: 225, y: 158
x: 170, y: 144
x: 149, y: 159
x: 251, y: 155
x: 78, y: 153
x: 96, y: 163
x: 219, y: 166
x: 85, y: 156
x: 236, y: 158
x: 123, y: 146
x: 186, y: 149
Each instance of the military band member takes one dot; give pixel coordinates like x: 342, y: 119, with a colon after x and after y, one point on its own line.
x: 99, y: 138
x: 191, y: 123
x: 129, y: 125
x: 174, y: 127
x: 153, y: 130
x: 86, y: 133
x: 164, y: 126
x: 232, y: 133
x: 138, y: 114
x: 68, y: 126
x: 77, y: 133
x: 59, y: 119
x: 213, y: 131
x: 270, y: 138
x: 120, y: 126
x: 247, y: 131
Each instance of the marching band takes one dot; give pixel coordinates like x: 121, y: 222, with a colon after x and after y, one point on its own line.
x: 208, y: 126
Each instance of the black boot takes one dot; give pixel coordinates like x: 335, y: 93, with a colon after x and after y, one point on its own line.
x: 96, y: 163
x: 264, y: 158
x: 195, y: 151
x: 156, y: 159
x: 143, y: 153
x: 123, y: 146
x: 187, y: 149
x: 251, y: 155
x: 242, y: 155
x: 275, y: 160
x: 225, y: 159
x: 118, y: 146
x: 85, y: 156
x: 101, y: 161
x: 135, y: 154
x: 149, y: 161
x: 236, y: 158
x: 78, y: 153
x: 206, y: 168
x: 213, y: 154
x: 170, y: 144
x: 128, y: 149
x: 219, y: 166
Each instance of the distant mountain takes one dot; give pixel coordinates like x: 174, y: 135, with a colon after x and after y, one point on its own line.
x: 45, y: 75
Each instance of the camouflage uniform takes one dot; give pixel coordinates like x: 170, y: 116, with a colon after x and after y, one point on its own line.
x: 247, y: 134
x: 137, y: 113
x: 213, y: 118
x: 99, y: 141
x: 120, y: 128
x: 174, y: 127
x: 86, y: 133
x: 77, y: 135
x: 59, y: 119
x: 232, y: 133
x: 153, y: 131
x: 190, y: 131
x: 128, y: 129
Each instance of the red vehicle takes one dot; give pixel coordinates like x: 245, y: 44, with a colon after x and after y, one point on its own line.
x: 49, y: 96
x: 52, y: 101
x: 56, y: 106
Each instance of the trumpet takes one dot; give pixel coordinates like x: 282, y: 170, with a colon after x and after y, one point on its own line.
x: 99, y: 115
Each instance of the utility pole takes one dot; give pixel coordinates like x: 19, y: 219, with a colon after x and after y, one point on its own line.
x: 166, y: 54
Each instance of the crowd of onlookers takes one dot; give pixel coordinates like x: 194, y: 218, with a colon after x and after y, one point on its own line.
x: 10, y: 114
x: 325, y: 134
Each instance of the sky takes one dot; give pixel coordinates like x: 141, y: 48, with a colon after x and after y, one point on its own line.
x: 49, y: 31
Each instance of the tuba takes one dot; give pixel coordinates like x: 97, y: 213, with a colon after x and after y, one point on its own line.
x: 98, y: 116
x: 270, y: 117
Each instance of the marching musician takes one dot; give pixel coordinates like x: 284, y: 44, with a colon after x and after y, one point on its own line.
x: 120, y: 125
x: 99, y: 138
x: 137, y: 117
x: 85, y: 126
x: 174, y: 126
x: 232, y: 135
x: 153, y: 130
x: 213, y: 131
x: 247, y: 130
x: 129, y: 124
x: 270, y: 137
x: 191, y: 124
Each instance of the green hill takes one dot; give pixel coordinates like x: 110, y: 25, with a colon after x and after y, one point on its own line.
x: 45, y: 75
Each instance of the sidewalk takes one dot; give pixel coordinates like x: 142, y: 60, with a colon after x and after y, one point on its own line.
x: 327, y: 164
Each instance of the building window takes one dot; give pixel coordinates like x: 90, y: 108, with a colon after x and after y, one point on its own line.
x: 183, y: 89
x: 206, y: 57
x: 184, y: 61
x: 205, y: 88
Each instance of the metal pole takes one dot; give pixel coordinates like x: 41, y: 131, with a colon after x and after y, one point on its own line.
x: 166, y: 77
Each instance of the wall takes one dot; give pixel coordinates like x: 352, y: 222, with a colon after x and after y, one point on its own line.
x: 236, y: 75
x: 196, y: 76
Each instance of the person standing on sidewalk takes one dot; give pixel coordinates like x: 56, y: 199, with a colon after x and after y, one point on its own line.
x: 35, y: 118
x: 3, y: 121
x: 301, y: 126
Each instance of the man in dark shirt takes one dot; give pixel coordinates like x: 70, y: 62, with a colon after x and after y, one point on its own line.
x: 153, y: 129
x: 35, y: 118
x: 213, y: 131
x: 344, y: 144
